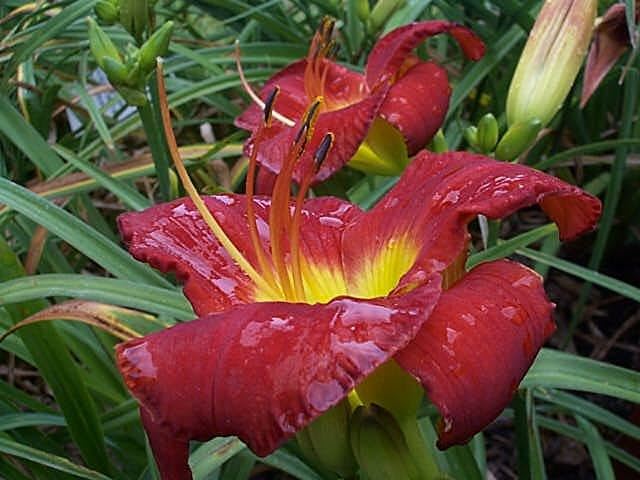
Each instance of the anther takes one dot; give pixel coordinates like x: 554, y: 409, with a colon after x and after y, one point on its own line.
x: 268, y: 105
x: 323, y: 150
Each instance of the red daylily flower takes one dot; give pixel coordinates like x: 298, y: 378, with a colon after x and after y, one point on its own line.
x: 283, y: 337
x: 610, y: 41
x: 409, y: 94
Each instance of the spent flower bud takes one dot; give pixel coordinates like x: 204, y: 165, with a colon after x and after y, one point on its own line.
x: 551, y: 60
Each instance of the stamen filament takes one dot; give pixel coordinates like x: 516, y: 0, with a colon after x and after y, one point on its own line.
x: 213, y: 224
x: 254, y: 96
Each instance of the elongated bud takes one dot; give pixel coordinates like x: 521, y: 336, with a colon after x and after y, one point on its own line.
x: 326, y: 441
x: 551, y: 60
x: 156, y: 46
x: 100, y: 44
x: 381, y: 12
x: 108, y: 11
x: 363, y: 10
x: 487, y: 133
x: 116, y: 71
x: 518, y: 138
x: 380, y: 446
x: 471, y: 136
x: 383, y: 152
x: 134, y: 17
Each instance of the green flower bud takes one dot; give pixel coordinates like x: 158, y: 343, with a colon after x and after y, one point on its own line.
x: 471, y: 136
x: 108, y: 11
x: 325, y: 442
x: 363, y: 10
x: 156, y: 46
x: 380, y: 446
x: 100, y: 44
x: 518, y: 138
x: 487, y: 133
x: 439, y: 143
x: 115, y: 70
x: 381, y: 13
x: 551, y: 60
x: 383, y: 152
x: 134, y: 17
x: 132, y: 96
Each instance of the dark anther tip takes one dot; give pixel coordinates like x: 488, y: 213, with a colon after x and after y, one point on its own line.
x: 268, y: 104
x: 323, y: 149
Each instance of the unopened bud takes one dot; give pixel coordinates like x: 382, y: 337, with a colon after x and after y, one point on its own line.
x: 326, y: 441
x: 487, y: 133
x: 108, y: 11
x: 116, y: 71
x: 439, y: 142
x: 471, y: 136
x: 380, y: 446
x: 363, y: 10
x: 551, y: 60
x: 156, y: 46
x: 134, y: 17
x: 383, y: 152
x: 381, y: 13
x: 518, y: 138
x: 100, y: 44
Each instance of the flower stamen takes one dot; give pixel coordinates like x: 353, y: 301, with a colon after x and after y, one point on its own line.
x: 211, y: 222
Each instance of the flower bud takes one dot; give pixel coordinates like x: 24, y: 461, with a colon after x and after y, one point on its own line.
x: 518, y: 138
x: 383, y: 152
x: 381, y: 13
x: 100, y: 44
x: 439, y: 142
x: 156, y: 46
x: 116, y: 71
x: 487, y: 133
x: 380, y: 446
x: 551, y: 60
x: 134, y: 17
x: 325, y: 442
x: 363, y: 10
x: 471, y: 136
x: 108, y: 11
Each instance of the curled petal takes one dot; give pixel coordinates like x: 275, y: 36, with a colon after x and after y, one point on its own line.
x: 417, y: 104
x: 444, y: 192
x: 173, y: 237
x: 477, y: 345
x: 610, y: 41
x: 263, y: 371
x: 390, y: 52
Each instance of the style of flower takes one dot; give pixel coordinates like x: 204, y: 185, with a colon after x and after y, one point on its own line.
x: 397, y: 92
x: 300, y: 300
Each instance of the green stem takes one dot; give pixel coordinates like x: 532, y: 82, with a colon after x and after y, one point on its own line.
x: 420, y: 451
x: 150, y: 117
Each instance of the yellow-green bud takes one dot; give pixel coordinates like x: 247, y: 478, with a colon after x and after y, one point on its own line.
x: 363, y: 10
x: 471, y: 136
x: 156, y: 46
x: 487, y: 133
x: 383, y: 152
x: 326, y: 441
x: 381, y: 13
x: 134, y: 17
x: 115, y: 70
x: 551, y: 60
x: 380, y: 446
x: 100, y: 44
x: 439, y: 142
x: 518, y: 138
x: 108, y: 11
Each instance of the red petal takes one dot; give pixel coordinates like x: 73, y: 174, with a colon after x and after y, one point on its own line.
x: 417, y: 103
x: 390, y: 51
x: 173, y: 237
x: 610, y: 41
x: 263, y: 371
x: 440, y: 193
x: 478, y: 344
